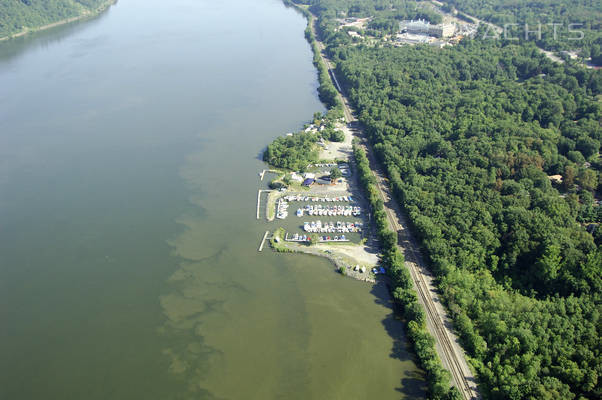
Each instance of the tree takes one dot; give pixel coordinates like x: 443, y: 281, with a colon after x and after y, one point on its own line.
x: 335, y: 173
x: 588, y: 179
x: 314, y: 238
x: 275, y: 185
x: 549, y: 264
x: 568, y: 178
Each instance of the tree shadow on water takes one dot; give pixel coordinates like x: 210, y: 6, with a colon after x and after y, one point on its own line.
x: 259, y: 155
x: 412, y: 383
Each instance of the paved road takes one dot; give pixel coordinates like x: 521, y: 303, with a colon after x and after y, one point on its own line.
x: 447, y: 346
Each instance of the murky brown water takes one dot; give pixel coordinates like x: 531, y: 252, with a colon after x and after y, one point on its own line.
x: 128, y: 240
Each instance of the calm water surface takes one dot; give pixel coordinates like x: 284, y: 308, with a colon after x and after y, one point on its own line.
x: 128, y: 174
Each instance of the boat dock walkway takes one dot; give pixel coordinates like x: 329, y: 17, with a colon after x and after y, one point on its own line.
x: 259, y: 199
x: 263, y: 240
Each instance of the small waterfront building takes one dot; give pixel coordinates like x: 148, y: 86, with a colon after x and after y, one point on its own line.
x: 308, y: 182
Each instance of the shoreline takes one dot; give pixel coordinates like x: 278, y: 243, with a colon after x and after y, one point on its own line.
x: 338, y: 257
x: 84, y: 15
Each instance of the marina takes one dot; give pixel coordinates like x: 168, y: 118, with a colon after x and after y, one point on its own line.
x: 347, y: 227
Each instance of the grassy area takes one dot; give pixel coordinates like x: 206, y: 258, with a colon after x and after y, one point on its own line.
x: 277, y: 241
x: 271, y: 204
x: 298, y: 187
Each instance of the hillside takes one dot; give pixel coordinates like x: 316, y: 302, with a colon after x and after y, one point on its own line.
x: 18, y: 16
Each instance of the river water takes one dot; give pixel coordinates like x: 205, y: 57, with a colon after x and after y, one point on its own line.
x: 129, y: 152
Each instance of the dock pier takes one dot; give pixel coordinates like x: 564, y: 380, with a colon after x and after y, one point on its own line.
x: 263, y: 240
x: 258, y: 202
x: 262, y: 173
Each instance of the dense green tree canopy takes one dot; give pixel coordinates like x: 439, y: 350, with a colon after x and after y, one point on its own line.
x: 292, y: 152
x: 469, y: 136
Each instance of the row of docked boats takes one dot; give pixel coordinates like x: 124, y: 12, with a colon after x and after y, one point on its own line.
x: 299, y: 197
x: 346, y: 211
x: 281, y: 209
x: 326, y: 165
x: 332, y: 227
x: 304, y: 238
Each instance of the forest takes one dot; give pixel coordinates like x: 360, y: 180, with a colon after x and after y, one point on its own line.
x: 510, y: 249
x: 586, y: 14
x: 492, y: 150
x: 508, y: 11
x: 18, y: 15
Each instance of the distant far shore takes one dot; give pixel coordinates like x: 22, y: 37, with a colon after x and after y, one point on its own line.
x: 84, y: 15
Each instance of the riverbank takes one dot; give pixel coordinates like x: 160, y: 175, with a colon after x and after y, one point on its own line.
x: 85, y: 15
x: 348, y: 258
